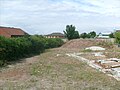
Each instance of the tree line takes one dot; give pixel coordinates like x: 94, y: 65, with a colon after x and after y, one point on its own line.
x: 71, y: 33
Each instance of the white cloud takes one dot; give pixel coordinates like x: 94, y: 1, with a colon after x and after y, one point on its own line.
x: 45, y: 16
x: 106, y: 7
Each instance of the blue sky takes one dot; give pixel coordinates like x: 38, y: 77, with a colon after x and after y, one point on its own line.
x: 47, y: 16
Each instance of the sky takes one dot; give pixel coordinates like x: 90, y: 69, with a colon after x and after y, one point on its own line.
x: 47, y: 16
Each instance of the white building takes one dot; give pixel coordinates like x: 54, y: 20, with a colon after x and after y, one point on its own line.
x: 104, y: 35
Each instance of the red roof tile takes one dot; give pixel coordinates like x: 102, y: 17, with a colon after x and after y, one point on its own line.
x: 8, y: 32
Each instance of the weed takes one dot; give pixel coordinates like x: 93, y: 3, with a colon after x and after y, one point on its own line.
x: 87, y: 50
x: 41, y: 69
x: 106, y: 44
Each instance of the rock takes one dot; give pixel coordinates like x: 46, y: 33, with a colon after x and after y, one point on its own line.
x: 95, y: 48
x: 99, y: 54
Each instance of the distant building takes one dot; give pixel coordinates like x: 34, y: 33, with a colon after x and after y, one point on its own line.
x: 104, y: 35
x: 55, y: 35
x: 117, y: 31
x: 12, y: 32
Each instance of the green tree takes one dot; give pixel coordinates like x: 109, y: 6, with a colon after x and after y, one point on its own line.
x: 117, y: 37
x: 111, y: 35
x: 92, y: 34
x: 88, y: 35
x: 83, y: 35
x: 70, y: 32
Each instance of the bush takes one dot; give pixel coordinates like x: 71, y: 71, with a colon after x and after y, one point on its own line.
x: 53, y: 42
x: 16, y: 48
x: 117, y: 37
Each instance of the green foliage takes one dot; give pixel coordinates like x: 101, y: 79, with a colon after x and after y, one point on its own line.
x: 70, y: 32
x: 83, y: 35
x: 92, y: 34
x: 88, y: 35
x: 53, y: 42
x: 117, y: 37
x: 112, y: 35
x: 16, y: 48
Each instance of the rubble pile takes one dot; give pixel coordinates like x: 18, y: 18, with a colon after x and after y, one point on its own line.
x: 109, y: 66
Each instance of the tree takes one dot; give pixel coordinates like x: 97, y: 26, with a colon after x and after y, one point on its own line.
x: 111, y: 35
x: 70, y: 32
x: 117, y: 37
x: 92, y: 34
x: 88, y: 35
x: 83, y: 35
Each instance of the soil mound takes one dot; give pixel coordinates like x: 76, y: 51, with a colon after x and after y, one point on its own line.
x: 81, y: 43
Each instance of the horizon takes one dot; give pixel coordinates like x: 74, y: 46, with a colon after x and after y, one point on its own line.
x: 60, y: 32
x: 48, y: 16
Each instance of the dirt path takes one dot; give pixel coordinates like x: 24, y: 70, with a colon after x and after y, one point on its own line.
x: 17, y: 71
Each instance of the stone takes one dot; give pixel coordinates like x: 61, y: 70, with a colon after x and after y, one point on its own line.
x: 95, y: 48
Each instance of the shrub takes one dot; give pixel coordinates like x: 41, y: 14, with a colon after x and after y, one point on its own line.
x: 53, y: 42
x: 117, y: 37
x: 16, y: 48
x: 37, y: 44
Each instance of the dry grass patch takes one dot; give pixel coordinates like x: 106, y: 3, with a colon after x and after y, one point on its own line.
x: 113, y: 52
x: 52, y: 72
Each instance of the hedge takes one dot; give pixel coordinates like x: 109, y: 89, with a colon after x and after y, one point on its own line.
x: 16, y: 48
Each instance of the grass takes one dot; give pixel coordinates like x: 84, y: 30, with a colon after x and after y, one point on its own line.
x: 106, y: 44
x: 71, y: 75
x: 40, y: 69
x: 113, y: 52
x: 52, y: 72
x: 87, y: 50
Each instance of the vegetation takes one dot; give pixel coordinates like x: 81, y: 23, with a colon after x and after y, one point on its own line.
x: 51, y: 72
x: 70, y: 32
x: 83, y: 35
x: 92, y: 34
x: 52, y: 43
x: 117, y: 37
x: 106, y: 44
x: 88, y: 35
x: 87, y: 50
x: 16, y: 48
x: 112, y: 35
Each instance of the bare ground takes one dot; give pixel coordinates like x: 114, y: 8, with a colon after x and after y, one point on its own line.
x: 53, y: 70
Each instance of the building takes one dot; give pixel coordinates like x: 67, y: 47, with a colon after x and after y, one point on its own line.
x: 104, y: 35
x: 117, y: 31
x: 12, y: 32
x: 55, y: 35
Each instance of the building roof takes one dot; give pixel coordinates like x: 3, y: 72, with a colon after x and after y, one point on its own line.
x: 117, y: 30
x: 55, y: 34
x: 104, y: 35
x: 9, y: 31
